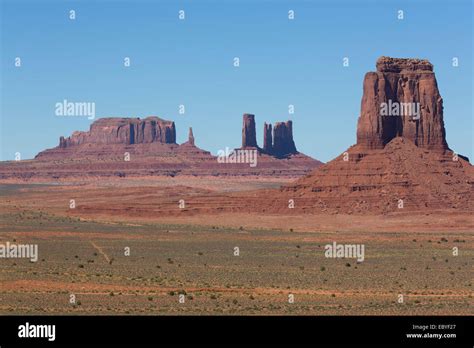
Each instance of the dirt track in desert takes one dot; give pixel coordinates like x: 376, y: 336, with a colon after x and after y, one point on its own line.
x: 191, y: 251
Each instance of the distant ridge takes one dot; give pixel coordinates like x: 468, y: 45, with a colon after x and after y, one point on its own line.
x: 123, y: 147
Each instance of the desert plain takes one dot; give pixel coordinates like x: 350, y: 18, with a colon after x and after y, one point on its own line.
x: 130, y: 246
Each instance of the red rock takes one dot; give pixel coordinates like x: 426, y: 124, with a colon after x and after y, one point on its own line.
x: 249, y: 137
x: 124, y: 131
x: 101, y: 151
x: 283, y: 143
x: 279, y: 144
x: 401, y: 81
x: 375, y: 180
x: 398, y: 166
x: 267, y: 138
x: 191, y: 136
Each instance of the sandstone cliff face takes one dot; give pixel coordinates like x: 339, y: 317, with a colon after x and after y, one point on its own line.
x: 124, y: 131
x: 249, y: 137
x: 402, y: 83
x: 283, y: 143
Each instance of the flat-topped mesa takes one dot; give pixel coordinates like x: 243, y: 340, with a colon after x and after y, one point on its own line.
x: 126, y: 131
x: 283, y: 143
x: 397, y: 65
x: 401, y: 99
x: 249, y: 137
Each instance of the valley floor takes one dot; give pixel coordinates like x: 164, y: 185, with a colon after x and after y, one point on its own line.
x: 125, y: 260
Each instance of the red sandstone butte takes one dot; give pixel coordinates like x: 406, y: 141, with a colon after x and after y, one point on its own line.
x: 116, y: 130
x: 279, y: 143
x: 400, y: 80
x: 267, y: 138
x: 397, y: 166
x: 249, y: 137
x: 283, y: 143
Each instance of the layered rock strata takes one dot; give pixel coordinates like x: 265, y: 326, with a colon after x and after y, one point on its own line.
x: 124, y: 131
x: 401, y: 99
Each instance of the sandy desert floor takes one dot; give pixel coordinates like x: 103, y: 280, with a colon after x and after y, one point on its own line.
x: 177, y: 252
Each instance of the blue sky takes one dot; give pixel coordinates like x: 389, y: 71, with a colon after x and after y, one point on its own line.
x: 190, y: 62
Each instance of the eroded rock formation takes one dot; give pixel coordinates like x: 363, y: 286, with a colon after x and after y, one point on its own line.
x: 398, y: 164
x: 191, y: 136
x: 124, y: 131
x: 249, y: 137
x: 123, y: 147
x: 401, y: 99
x: 277, y: 139
x: 283, y: 143
x: 267, y: 138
